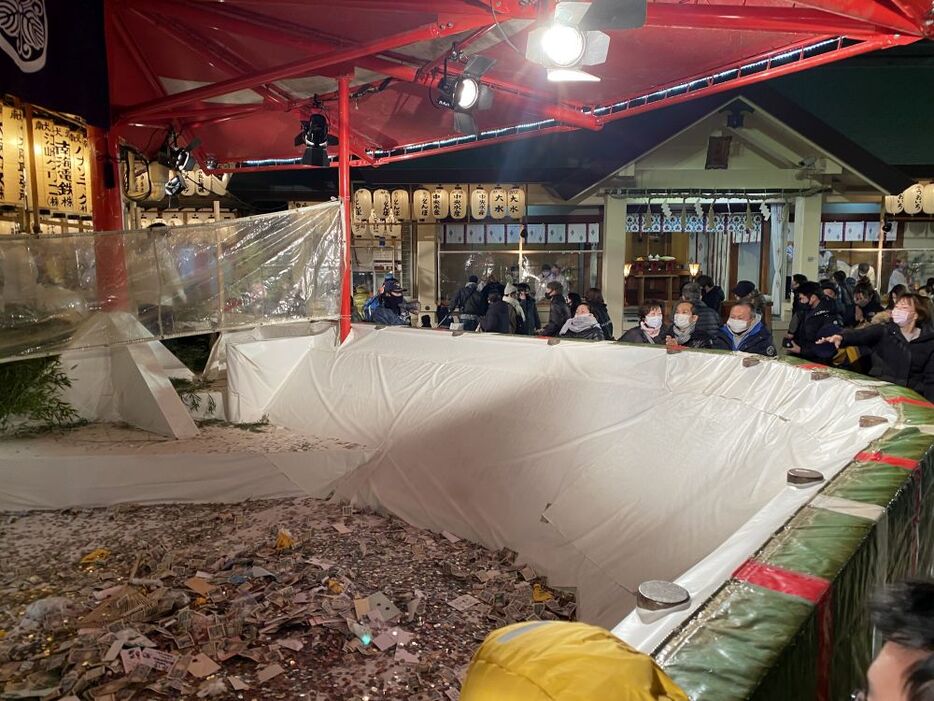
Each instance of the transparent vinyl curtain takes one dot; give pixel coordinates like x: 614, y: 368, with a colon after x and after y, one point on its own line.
x: 167, y: 281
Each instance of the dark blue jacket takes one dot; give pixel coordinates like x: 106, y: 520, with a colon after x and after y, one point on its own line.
x: 757, y: 340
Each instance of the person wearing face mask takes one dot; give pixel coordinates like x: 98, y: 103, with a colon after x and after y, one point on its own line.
x: 744, y: 331
x: 902, y: 349
x: 820, y: 319
x: 685, y: 331
x: 594, y: 299
x: 651, y: 328
x: 582, y: 325
x: 392, y: 309
x: 511, y: 297
x: 559, y: 312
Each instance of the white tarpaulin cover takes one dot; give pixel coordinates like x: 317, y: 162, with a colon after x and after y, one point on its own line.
x: 604, y: 465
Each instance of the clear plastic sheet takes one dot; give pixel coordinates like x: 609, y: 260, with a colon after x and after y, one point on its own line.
x: 167, y: 281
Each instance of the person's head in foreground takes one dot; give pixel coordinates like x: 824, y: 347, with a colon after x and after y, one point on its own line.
x: 903, y: 614
x: 742, y: 318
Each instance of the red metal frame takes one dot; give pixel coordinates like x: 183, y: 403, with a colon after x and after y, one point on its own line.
x: 108, y: 216
x: 343, y: 109
x: 296, y: 68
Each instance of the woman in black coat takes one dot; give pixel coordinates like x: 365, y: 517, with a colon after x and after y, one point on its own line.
x: 651, y: 328
x: 902, y: 349
x: 594, y: 299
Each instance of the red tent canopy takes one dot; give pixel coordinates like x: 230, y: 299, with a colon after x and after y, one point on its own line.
x: 240, y: 74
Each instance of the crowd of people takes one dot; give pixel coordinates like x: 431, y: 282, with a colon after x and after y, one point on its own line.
x: 841, y: 320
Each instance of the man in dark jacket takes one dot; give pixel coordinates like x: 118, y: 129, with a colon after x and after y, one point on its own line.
x: 392, y: 309
x: 470, y: 303
x: 743, y: 331
x: 582, y: 325
x: 527, y: 300
x: 820, y: 319
x: 685, y: 327
x: 712, y: 294
x: 500, y: 317
x: 867, y: 303
x: 559, y: 311
x: 708, y: 320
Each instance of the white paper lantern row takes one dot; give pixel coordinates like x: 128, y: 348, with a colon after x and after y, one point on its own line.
x: 442, y: 203
x: 916, y: 199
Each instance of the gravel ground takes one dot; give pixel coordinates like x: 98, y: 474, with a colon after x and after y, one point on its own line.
x: 287, y: 599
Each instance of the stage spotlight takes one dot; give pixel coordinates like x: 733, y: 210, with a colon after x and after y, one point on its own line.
x: 564, y: 45
x: 314, y: 136
x: 465, y: 93
x: 572, y: 40
x: 176, y: 157
x: 174, y: 186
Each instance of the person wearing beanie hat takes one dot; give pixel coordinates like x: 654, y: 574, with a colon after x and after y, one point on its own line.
x: 744, y: 288
x: 511, y: 297
x: 820, y: 319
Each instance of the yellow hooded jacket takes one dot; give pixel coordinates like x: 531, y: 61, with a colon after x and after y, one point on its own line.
x: 560, y: 661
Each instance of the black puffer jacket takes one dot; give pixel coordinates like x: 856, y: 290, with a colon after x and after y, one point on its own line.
x: 557, y: 315
x: 532, y: 322
x: 500, y: 317
x: 636, y: 335
x: 895, y: 359
x: 603, y: 318
x: 817, y: 323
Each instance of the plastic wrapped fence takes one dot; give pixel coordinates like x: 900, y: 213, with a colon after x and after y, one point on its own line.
x: 171, y: 280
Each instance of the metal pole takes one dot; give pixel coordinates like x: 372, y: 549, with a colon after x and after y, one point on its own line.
x: 343, y: 112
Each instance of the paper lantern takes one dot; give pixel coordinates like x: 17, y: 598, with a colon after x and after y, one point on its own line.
x: 479, y: 203
x: 912, y: 199
x: 498, y: 203
x: 358, y: 227
x: 515, y: 200
x: 421, y: 205
x: 893, y: 204
x: 362, y: 204
x: 457, y: 203
x: 927, y: 198
x: 400, y: 204
x: 439, y: 203
x: 382, y: 203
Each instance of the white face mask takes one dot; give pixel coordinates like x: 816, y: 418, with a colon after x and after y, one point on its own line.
x: 682, y: 321
x: 737, y: 325
x: 653, y: 322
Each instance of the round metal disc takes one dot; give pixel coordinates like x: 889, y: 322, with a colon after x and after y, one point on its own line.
x: 657, y: 593
x: 802, y: 475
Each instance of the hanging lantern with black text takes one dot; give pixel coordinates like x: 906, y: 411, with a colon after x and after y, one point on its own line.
x: 515, y: 203
x: 479, y: 203
x: 421, y: 205
x: 439, y: 203
x: 400, y: 204
x: 362, y: 204
x: 458, y: 203
x: 498, y: 197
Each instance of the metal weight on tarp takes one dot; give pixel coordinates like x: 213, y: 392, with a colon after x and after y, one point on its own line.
x: 657, y: 595
x: 804, y: 476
